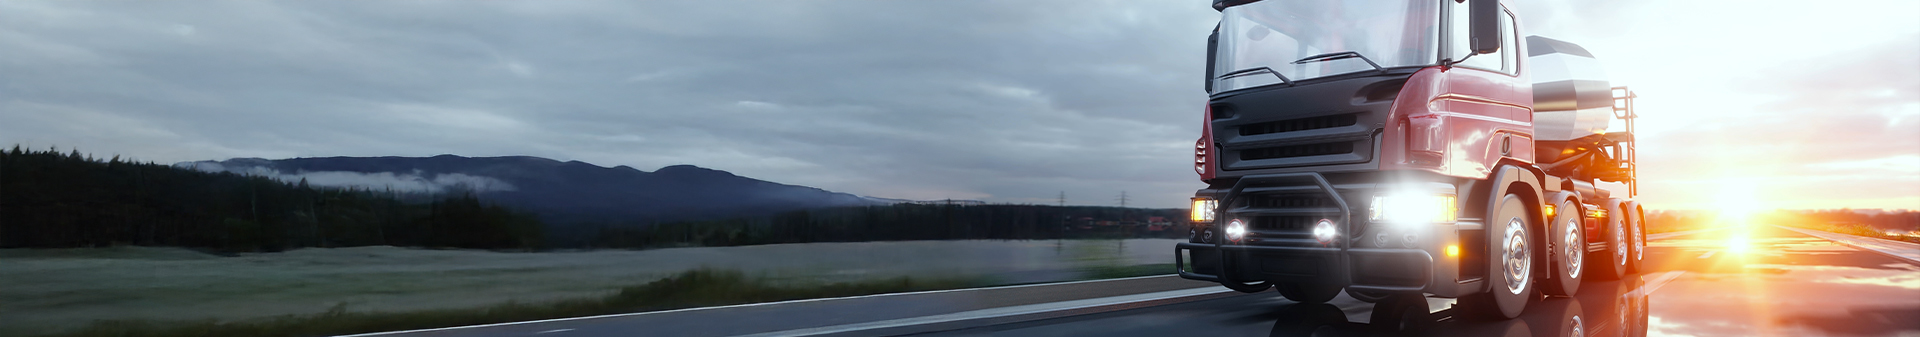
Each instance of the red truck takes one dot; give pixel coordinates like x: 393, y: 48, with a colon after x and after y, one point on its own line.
x: 1397, y: 148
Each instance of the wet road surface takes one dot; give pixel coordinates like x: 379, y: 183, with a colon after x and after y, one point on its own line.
x: 1751, y: 281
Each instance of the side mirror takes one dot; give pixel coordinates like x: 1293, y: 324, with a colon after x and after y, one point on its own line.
x: 1484, y: 26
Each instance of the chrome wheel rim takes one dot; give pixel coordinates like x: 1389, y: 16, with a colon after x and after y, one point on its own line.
x: 1574, y: 248
x: 1620, y: 246
x: 1519, y: 264
x: 1639, y: 246
x: 1577, y: 330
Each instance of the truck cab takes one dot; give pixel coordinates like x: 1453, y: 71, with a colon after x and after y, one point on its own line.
x: 1381, y: 147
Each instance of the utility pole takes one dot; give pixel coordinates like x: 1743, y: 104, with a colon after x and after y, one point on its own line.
x: 1063, y: 198
x: 1123, y: 199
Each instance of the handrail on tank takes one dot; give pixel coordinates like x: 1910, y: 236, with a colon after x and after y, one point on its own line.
x: 1623, y: 109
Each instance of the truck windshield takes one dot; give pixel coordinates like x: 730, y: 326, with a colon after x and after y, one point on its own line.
x: 1274, y: 33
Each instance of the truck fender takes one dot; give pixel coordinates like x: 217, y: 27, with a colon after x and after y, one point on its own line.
x: 1508, y: 178
x: 1523, y: 180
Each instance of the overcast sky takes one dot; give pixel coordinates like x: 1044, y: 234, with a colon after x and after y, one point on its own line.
x: 1004, y: 101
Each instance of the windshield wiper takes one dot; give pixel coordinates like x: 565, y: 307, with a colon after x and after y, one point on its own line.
x: 1254, y: 70
x: 1340, y: 56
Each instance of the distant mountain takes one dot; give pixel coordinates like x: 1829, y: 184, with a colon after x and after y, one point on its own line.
x: 563, y: 193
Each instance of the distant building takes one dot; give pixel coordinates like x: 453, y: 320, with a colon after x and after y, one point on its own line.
x: 1158, y: 223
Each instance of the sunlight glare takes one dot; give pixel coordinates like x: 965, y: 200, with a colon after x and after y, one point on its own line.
x: 1736, y: 201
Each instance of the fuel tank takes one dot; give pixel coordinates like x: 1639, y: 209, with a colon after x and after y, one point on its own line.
x: 1571, y: 96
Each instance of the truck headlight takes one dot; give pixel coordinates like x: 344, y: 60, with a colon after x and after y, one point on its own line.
x: 1202, y: 211
x: 1324, y: 231
x: 1414, y: 208
x: 1236, y: 230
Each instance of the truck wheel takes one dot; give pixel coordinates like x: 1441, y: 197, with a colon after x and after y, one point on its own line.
x: 1569, y: 250
x: 1367, y: 295
x: 1636, y: 236
x: 1611, y: 264
x: 1511, y: 250
x: 1307, y: 292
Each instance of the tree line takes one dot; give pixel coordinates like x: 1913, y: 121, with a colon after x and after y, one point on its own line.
x: 903, y: 222
x: 54, y: 200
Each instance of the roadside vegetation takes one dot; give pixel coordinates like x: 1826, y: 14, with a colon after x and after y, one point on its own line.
x: 693, y: 288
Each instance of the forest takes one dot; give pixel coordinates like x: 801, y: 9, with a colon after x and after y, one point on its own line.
x: 54, y: 200
x: 904, y: 222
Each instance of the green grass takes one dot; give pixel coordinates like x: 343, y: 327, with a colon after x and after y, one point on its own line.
x: 693, y: 288
x: 1107, y: 272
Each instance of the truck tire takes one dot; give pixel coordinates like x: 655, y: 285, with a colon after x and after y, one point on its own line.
x: 1636, y: 236
x: 1569, y: 247
x: 1611, y: 263
x: 1511, y: 249
x: 1307, y: 292
x: 1368, y: 296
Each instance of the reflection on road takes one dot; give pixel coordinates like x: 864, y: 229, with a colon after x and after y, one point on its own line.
x: 1610, y: 309
x: 1753, y: 281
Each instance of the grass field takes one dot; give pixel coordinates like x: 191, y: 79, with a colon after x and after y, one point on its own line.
x: 47, y: 291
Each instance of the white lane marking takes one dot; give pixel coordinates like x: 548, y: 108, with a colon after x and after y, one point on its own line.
x: 1114, y: 303
x: 383, y: 333
x: 1656, y: 281
x: 1709, y: 253
x: 553, y: 331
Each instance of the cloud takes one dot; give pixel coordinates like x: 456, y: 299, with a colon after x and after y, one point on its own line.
x: 1004, y: 101
x: 415, y: 182
x: 1837, y: 133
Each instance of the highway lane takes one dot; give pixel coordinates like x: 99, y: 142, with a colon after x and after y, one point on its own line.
x: 1757, y: 281
x: 1752, y: 281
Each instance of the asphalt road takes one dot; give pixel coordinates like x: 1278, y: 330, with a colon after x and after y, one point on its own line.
x: 1756, y: 281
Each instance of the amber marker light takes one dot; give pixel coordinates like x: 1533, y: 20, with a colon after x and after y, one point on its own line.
x: 1549, y: 210
x: 1453, y: 250
x: 1202, y: 210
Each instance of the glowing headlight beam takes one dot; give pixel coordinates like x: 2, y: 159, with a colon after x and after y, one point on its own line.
x: 1411, y: 208
x: 1236, y: 230
x: 1324, y: 231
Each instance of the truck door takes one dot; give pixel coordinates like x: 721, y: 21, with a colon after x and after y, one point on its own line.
x: 1487, y: 102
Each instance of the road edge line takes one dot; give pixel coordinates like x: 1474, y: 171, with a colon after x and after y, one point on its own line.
x: 563, y: 319
x: 1855, y: 240
x: 1008, y: 315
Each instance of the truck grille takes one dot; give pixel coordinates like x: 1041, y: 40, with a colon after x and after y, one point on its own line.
x: 1305, y: 150
x: 1301, y: 128
x: 1290, y: 202
x: 1301, y: 226
x: 1299, y: 124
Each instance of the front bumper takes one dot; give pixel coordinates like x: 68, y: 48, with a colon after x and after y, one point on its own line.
x: 1375, y: 259
x: 1364, y: 268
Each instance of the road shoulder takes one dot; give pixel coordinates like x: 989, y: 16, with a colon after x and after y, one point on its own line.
x: 1903, y: 251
